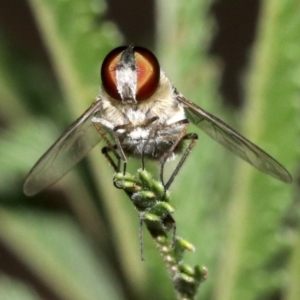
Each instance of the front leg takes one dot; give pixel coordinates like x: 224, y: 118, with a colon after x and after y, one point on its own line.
x: 193, y: 137
x: 99, y: 124
x: 181, y: 136
x: 129, y: 127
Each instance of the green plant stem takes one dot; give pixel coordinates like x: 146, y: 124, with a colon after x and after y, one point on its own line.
x: 152, y: 203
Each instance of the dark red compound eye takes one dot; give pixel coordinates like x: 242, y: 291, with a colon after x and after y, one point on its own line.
x: 148, y: 72
x: 108, y: 72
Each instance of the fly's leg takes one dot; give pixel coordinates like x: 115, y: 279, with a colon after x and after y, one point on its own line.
x: 130, y: 127
x: 126, y: 128
x: 182, y: 136
x: 151, y: 135
x: 190, y: 136
x: 105, y: 151
x: 117, y: 167
x: 98, y: 123
x: 122, y: 154
x: 108, y: 148
x: 184, y: 123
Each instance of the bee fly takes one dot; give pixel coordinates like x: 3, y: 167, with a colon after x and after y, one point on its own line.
x: 140, y: 113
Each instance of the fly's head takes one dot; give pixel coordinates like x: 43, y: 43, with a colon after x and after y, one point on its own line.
x: 130, y: 74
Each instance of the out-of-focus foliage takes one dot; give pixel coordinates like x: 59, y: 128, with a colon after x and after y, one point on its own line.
x: 244, y: 224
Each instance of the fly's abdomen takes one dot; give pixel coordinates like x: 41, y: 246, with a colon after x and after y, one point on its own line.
x: 154, y: 145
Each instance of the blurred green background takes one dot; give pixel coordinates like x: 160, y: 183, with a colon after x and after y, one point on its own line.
x: 78, y: 240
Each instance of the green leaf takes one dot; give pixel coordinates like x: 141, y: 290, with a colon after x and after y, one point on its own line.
x: 55, y: 250
x: 255, y: 233
x: 12, y: 289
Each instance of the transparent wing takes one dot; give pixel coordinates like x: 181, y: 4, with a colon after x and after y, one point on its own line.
x: 233, y: 141
x: 68, y: 150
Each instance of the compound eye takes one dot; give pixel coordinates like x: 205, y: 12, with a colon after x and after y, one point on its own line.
x: 108, y: 72
x: 148, y: 72
x: 146, y: 66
